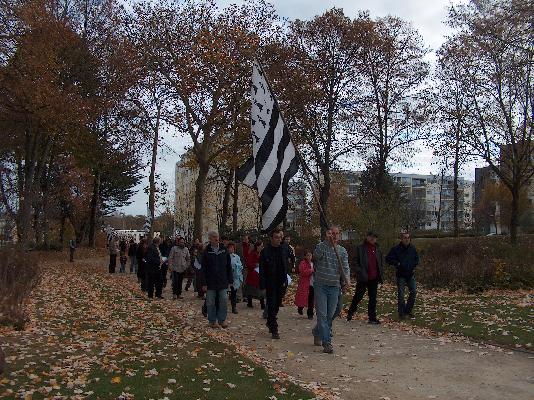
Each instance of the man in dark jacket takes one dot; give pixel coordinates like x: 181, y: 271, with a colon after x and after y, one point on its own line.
x: 273, y: 278
x: 165, y: 249
x: 404, y: 258
x: 153, y: 264
x: 368, y: 265
x: 216, y: 276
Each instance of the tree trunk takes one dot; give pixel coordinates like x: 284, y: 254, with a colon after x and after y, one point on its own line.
x: 62, y: 230
x: 514, y: 215
x: 440, y: 202
x: 324, y: 194
x: 95, y: 201
x: 223, y: 228
x: 152, y: 178
x: 455, y: 188
x: 198, y: 219
x: 235, y: 209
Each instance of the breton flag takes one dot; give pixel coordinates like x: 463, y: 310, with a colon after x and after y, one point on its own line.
x: 274, y: 160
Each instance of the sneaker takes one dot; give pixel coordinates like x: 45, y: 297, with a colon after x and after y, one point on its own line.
x: 374, y: 322
x: 317, y: 341
x: 224, y: 324
x: 350, y: 314
x: 275, y: 335
x: 327, y: 348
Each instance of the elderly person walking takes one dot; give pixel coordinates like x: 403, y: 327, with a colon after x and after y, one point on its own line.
x: 327, y: 285
x: 216, y: 276
x: 178, y: 262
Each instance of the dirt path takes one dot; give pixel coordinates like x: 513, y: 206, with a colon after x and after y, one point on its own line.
x: 381, y: 362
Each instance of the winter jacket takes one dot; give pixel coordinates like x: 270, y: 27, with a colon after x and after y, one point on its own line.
x: 361, y: 265
x: 404, y: 259
x: 153, y: 259
x: 273, y: 267
x: 237, y: 270
x: 113, y: 248
x: 305, y: 275
x: 216, y: 271
x: 132, y: 249
x: 253, y: 276
x: 179, y: 259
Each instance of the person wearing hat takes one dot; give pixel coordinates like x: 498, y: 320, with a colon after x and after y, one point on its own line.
x: 368, y: 265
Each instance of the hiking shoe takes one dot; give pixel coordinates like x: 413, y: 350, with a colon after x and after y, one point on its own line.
x: 275, y: 335
x: 223, y: 324
x: 317, y: 341
x: 328, y: 349
x: 374, y: 322
x: 350, y: 314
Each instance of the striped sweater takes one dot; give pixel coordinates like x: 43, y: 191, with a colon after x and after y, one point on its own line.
x: 326, y: 264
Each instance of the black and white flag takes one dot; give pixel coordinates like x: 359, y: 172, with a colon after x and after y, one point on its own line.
x: 274, y: 160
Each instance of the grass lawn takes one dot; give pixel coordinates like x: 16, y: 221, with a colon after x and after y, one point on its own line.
x: 94, y: 337
x: 499, y: 317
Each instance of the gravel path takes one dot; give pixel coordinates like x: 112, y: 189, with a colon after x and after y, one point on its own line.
x: 382, y: 362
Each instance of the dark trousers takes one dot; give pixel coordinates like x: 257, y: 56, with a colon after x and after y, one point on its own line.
x: 233, y: 298
x: 405, y: 309
x: 177, y: 282
x: 164, y: 269
x: 188, y: 283
x: 274, y: 295
x: 262, y: 302
x: 154, y: 283
x: 309, y: 311
x: 72, y: 254
x: 372, y: 288
x: 112, y: 263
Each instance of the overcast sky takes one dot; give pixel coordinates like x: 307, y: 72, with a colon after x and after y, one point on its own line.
x: 428, y: 17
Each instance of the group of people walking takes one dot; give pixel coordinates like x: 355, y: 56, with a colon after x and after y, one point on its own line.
x: 261, y: 273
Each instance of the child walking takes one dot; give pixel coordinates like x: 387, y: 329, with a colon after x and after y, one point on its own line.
x: 304, y: 296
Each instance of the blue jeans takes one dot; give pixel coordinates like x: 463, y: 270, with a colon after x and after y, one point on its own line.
x: 402, y: 308
x: 326, y: 301
x: 217, y: 312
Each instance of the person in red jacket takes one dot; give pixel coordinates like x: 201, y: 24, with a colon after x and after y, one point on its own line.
x: 252, y: 283
x: 304, y: 296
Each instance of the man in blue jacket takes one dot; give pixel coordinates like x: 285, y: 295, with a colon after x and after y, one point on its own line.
x: 404, y: 258
x: 216, y: 276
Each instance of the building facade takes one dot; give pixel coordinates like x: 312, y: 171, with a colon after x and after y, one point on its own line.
x: 432, y: 194
x: 249, y: 210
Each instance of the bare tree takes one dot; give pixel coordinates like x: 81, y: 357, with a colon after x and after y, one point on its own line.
x: 493, y: 49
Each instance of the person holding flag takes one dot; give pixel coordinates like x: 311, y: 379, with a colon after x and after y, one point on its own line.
x: 328, y: 256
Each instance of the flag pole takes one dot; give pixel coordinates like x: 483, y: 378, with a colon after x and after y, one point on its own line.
x: 306, y: 171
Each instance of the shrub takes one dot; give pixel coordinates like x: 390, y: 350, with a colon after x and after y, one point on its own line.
x: 475, y: 264
x: 19, y: 274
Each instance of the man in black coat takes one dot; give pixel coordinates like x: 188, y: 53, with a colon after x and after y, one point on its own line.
x: 216, y: 276
x: 404, y: 258
x: 273, y: 278
x: 368, y: 265
x: 153, y: 264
